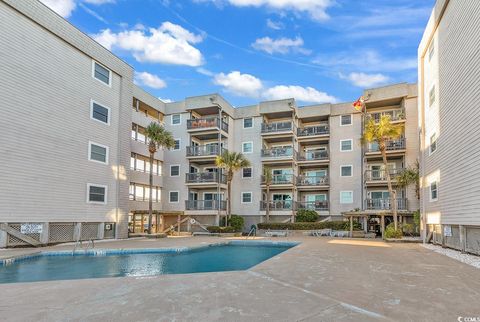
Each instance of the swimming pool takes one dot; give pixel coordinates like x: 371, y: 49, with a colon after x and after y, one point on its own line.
x: 64, y: 265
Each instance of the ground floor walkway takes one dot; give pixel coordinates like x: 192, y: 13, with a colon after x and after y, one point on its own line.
x: 322, y: 279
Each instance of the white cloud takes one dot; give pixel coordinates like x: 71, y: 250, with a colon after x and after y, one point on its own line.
x: 250, y: 86
x: 275, y: 25
x: 365, y: 80
x: 149, y: 80
x: 98, y: 2
x: 165, y: 100
x: 168, y: 44
x: 304, y: 94
x: 280, y: 45
x: 63, y: 7
x: 316, y: 9
x: 204, y: 71
x: 239, y: 84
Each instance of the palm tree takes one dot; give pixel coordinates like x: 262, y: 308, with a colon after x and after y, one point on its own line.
x: 157, y: 138
x: 409, y: 176
x: 380, y: 133
x: 267, y: 178
x: 231, y: 162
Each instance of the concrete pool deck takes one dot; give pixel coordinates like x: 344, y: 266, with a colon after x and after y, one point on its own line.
x: 321, y: 279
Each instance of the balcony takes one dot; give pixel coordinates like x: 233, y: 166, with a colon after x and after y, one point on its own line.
x: 313, y: 205
x: 320, y: 155
x: 277, y: 127
x: 205, y: 177
x: 315, y: 130
x: 395, y: 115
x: 384, y: 204
x: 381, y: 175
x: 287, y: 152
x: 390, y: 145
x: 280, y: 179
x: 204, y: 150
x: 205, y: 205
x: 207, y: 124
x: 310, y: 181
x: 277, y: 205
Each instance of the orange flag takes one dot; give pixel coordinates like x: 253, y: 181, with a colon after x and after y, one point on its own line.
x: 358, y: 104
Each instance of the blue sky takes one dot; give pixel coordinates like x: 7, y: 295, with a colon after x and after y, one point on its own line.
x: 252, y: 50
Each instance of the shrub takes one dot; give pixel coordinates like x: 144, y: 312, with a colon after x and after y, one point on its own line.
x: 335, y: 225
x: 390, y: 231
x: 236, y: 222
x: 356, y: 225
x: 306, y: 215
x: 408, y: 229
x: 219, y: 230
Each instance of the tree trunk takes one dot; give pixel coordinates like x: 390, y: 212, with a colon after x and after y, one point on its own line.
x: 267, y: 208
x: 391, y: 192
x: 150, y: 200
x: 229, y: 189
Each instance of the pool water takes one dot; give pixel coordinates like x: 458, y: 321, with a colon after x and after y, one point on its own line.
x: 213, y: 258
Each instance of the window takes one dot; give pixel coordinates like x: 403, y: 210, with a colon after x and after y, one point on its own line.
x: 345, y: 145
x: 101, y: 73
x: 100, y: 113
x: 345, y: 120
x: 433, y: 143
x: 431, y: 96
x: 248, y: 123
x: 433, y: 191
x: 346, y: 197
x: 141, y: 192
x: 174, y: 170
x: 173, y: 197
x: 247, y: 147
x: 176, y: 119
x: 246, y: 172
x: 141, y: 163
x: 177, y: 144
x: 246, y: 197
x: 97, y: 152
x: 431, y: 50
x: 96, y: 193
x: 346, y: 171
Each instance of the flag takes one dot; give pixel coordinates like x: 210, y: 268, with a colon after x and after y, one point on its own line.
x: 358, y: 104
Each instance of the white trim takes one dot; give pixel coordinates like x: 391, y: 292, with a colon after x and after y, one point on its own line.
x: 90, y: 152
x: 192, y: 166
x: 110, y: 74
x: 171, y: 119
x: 251, y: 173
x: 430, y: 191
x: 91, y: 112
x: 179, y: 145
x: 96, y: 185
x: 241, y: 197
x: 314, y: 194
x: 345, y: 203
x: 351, y: 120
x: 351, y: 145
x: 243, y: 123
x: 430, y: 152
x: 346, y: 165
x: 170, y: 196
x: 174, y: 165
x: 243, y: 151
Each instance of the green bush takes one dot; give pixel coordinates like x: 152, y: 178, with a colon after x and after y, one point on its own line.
x: 220, y: 230
x: 335, y: 225
x: 408, y: 229
x: 356, y: 225
x: 236, y: 222
x: 306, y: 215
x: 390, y: 231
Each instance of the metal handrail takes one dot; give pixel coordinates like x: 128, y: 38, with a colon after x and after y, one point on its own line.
x: 205, y: 204
x: 280, y: 179
x: 312, y: 205
x: 205, y: 177
x: 277, y: 205
x: 204, y: 150
x: 277, y: 127
x: 395, y: 115
x: 312, y: 180
x: 207, y: 122
x: 381, y: 175
x: 384, y: 204
x: 313, y: 155
x: 313, y: 130
x: 390, y: 145
x: 278, y: 152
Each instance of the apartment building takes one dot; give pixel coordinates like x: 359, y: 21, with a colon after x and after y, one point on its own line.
x: 449, y: 89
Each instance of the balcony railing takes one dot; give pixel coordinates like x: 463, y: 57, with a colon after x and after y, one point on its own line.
x: 204, y: 150
x: 277, y: 205
x: 280, y: 179
x: 313, y: 205
x: 391, y: 145
x: 205, y: 177
x: 384, y: 204
x: 395, y: 115
x: 313, y: 130
x: 277, y: 127
x: 278, y: 152
x: 313, y: 155
x: 312, y: 180
x: 381, y: 175
x: 205, y: 204
x: 208, y: 122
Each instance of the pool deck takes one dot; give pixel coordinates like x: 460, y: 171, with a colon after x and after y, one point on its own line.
x: 321, y: 279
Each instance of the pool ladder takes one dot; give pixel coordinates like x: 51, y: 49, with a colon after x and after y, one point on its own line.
x: 79, y: 244
x: 251, y: 232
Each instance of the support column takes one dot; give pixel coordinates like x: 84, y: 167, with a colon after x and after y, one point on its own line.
x: 365, y: 224
x: 45, y: 235
x: 101, y: 231
x: 351, y: 226
x: 3, y: 238
x: 179, y: 218
x: 382, y: 225
x: 162, y: 223
x: 442, y: 231
x: 217, y: 220
x: 77, y: 232
x: 463, y: 238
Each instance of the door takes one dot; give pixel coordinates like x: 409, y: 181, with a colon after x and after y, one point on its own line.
x: 380, y: 199
x: 282, y: 201
x: 282, y: 176
x: 316, y: 201
x: 315, y: 177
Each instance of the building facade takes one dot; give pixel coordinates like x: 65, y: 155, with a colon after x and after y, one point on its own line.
x: 449, y: 87
x: 78, y: 162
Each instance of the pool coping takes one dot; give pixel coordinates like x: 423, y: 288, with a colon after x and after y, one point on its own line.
x: 123, y: 251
